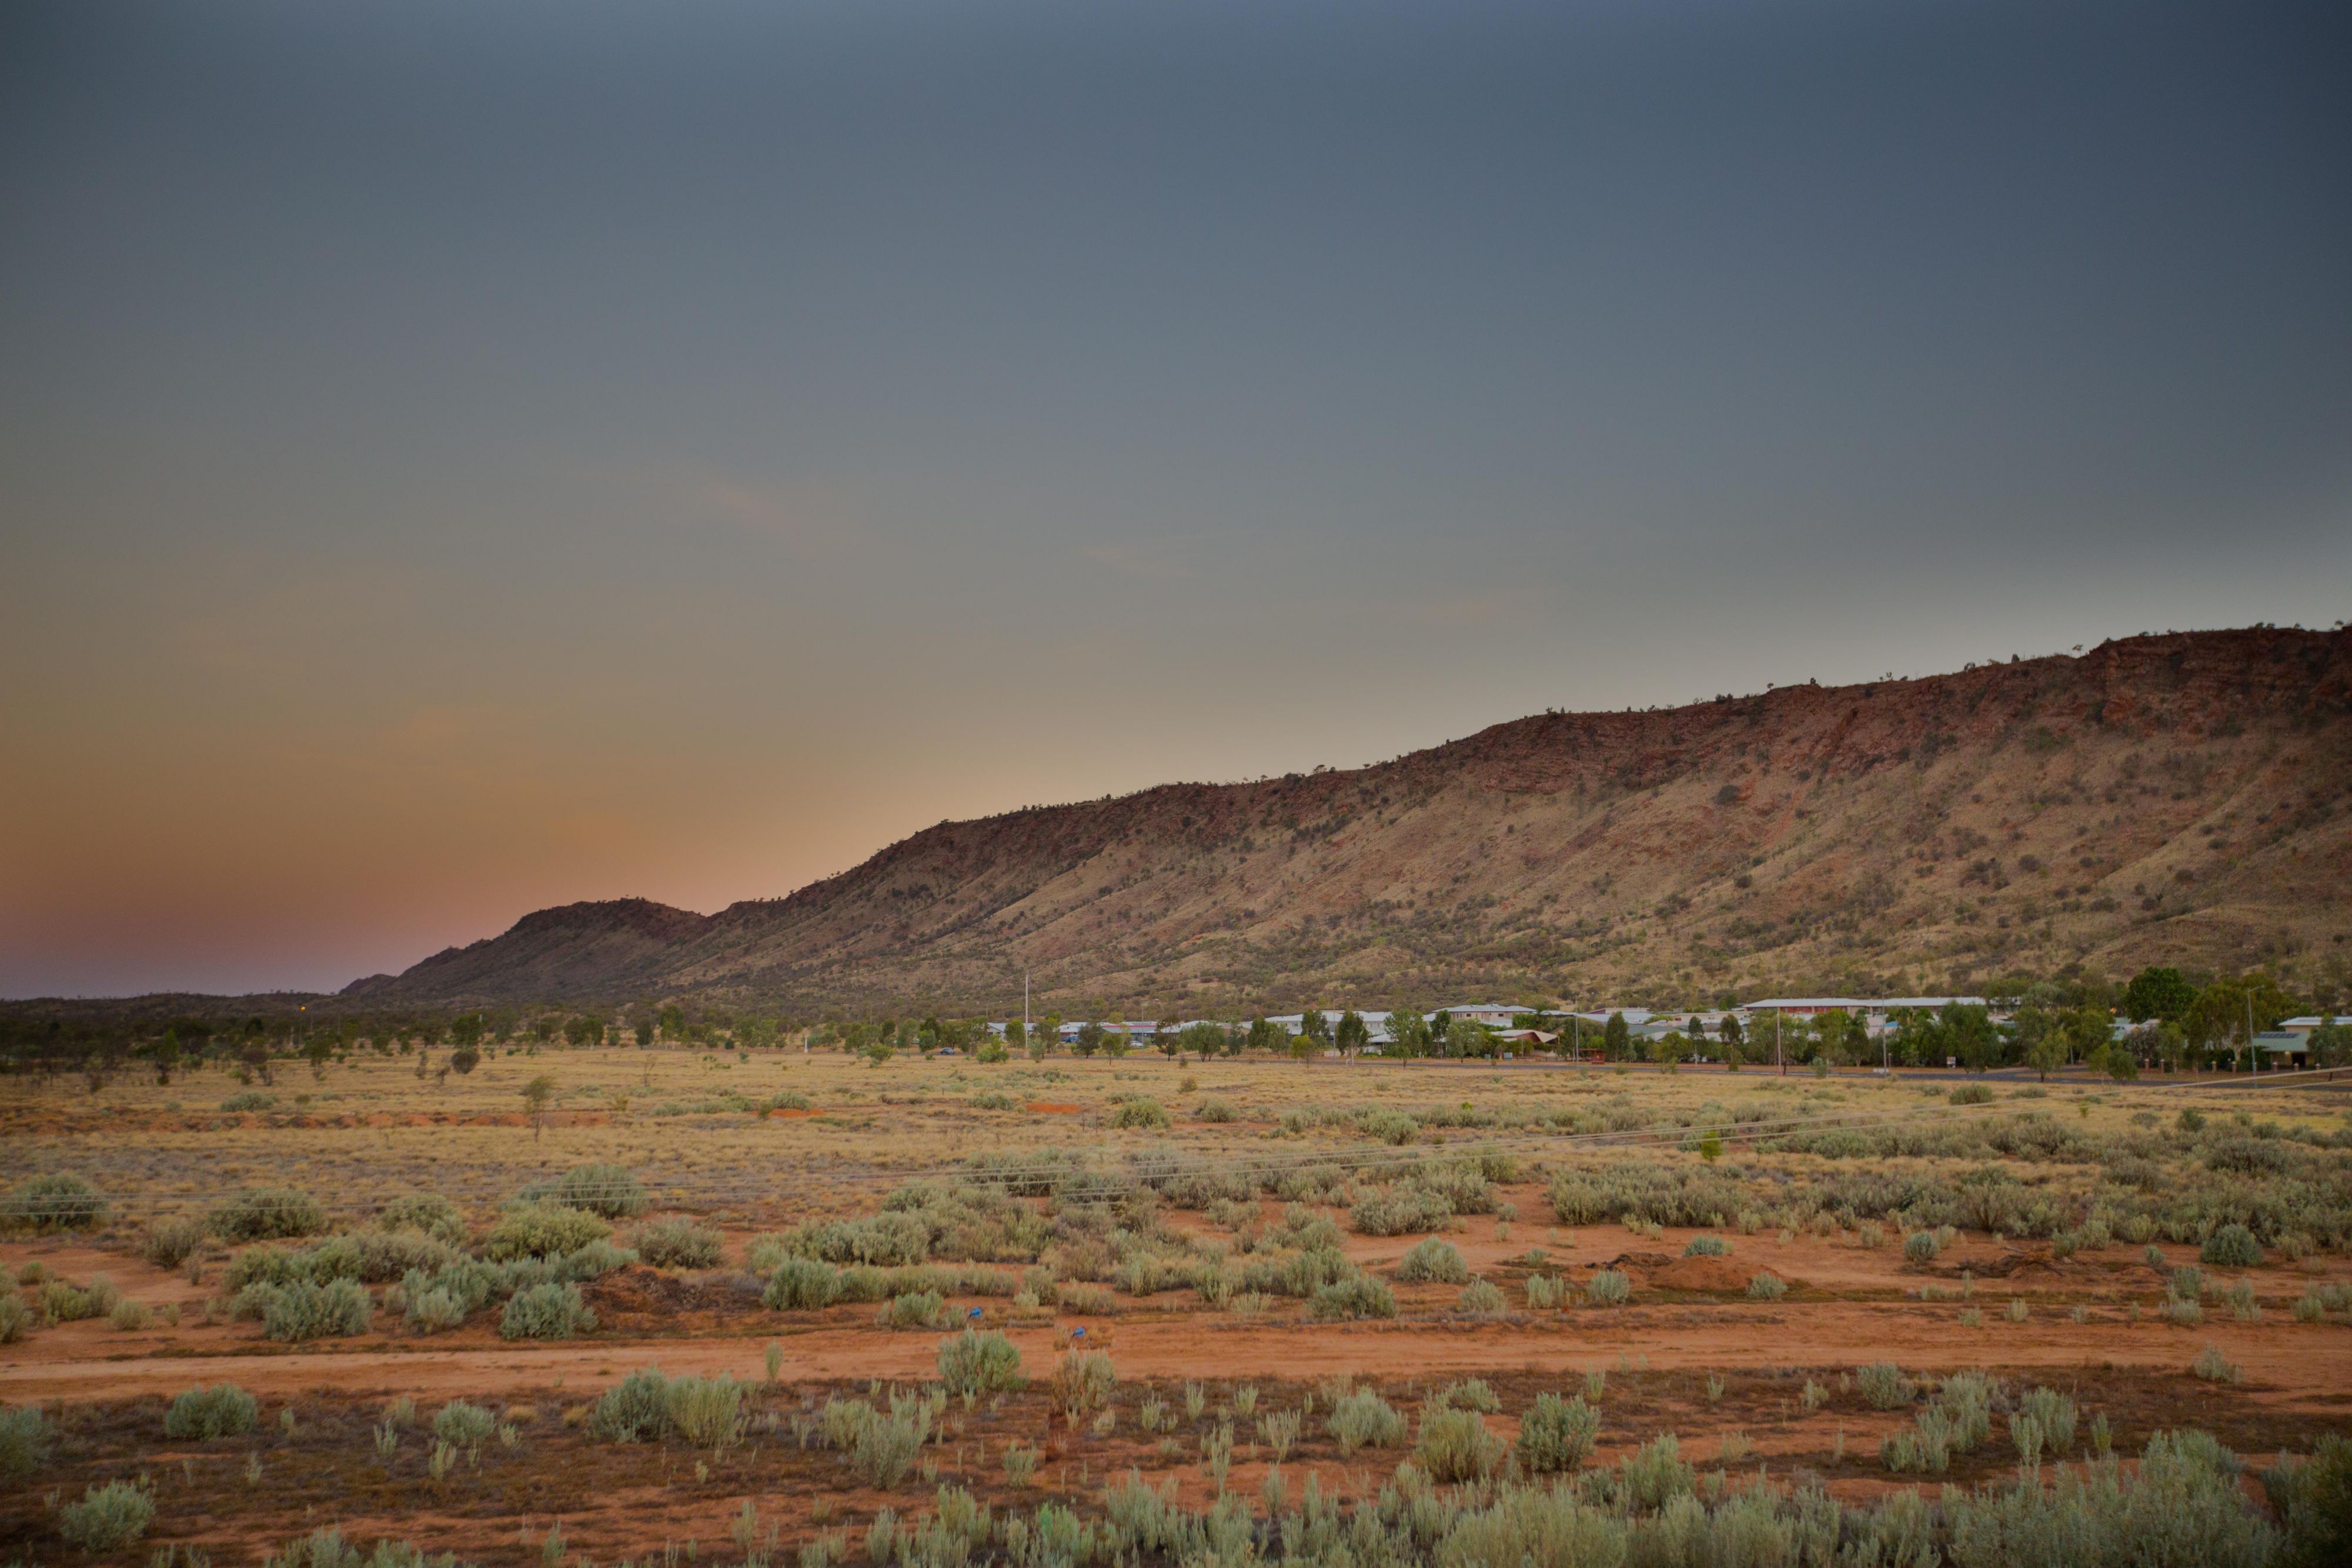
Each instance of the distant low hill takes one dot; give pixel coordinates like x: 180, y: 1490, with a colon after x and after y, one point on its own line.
x: 2182, y: 798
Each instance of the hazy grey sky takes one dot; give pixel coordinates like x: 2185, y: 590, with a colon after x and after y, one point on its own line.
x: 460, y: 457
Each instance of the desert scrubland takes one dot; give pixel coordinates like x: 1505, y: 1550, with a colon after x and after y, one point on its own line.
x: 773, y: 1307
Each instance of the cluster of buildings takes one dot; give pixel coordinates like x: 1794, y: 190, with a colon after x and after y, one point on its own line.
x: 1523, y: 1025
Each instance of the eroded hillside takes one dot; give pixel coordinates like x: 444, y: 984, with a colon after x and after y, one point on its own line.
x: 2180, y: 797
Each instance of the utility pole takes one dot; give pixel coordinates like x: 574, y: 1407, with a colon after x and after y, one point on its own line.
x: 1024, y: 1005
x: 1778, y: 1060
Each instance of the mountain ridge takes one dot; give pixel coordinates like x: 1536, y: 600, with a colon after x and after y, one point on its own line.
x: 2191, y: 785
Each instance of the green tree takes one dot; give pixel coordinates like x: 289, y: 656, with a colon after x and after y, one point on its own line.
x: 536, y: 1094
x: 316, y: 1051
x: 1091, y: 1038
x: 167, y: 1054
x: 1016, y: 1036
x: 2046, y: 1052
x: 1353, y: 1034
x: 672, y: 1019
x: 1616, y: 1037
x: 1203, y: 1039
x: 2229, y: 1013
x: 466, y: 1031
x: 1969, y: 1035
x: 1315, y: 1026
x: 1408, y: 1033
x: 1468, y: 1038
x: 2160, y: 994
x: 2331, y: 1045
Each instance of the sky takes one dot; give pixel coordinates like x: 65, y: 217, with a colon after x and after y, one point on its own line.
x: 458, y: 458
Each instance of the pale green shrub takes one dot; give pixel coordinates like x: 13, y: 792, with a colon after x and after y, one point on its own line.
x: 549, y: 1311
x: 677, y: 1243
x: 636, y: 1410
x: 1610, y: 1288
x: 1436, y: 1261
x: 541, y: 1230
x: 1364, y: 1420
x: 1456, y: 1446
x: 25, y: 1437
x: 303, y: 1310
x: 708, y: 1412
x: 55, y: 1202
x: 1361, y: 1297
x: 1557, y: 1435
x: 2232, y: 1247
x: 201, y: 1415
x: 267, y: 1213
x: 976, y: 1363
x: 169, y: 1242
x: 462, y: 1424
x: 802, y: 1284
x: 602, y: 1188
x: 1706, y: 1246
x: 1884, y: 1386
x: 116, y: 1514
x: 1767, y: 1287
x: 1481, y: 1299
x: 1083, y: 1382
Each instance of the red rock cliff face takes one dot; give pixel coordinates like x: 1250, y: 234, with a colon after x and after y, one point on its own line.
x: 2179, y: 799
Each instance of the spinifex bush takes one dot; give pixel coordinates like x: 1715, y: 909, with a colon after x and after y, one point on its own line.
x: 977, y: 1362
x: 609, y: 1190
x: 708, y: 1412
x: 169, y: 1242
x: 1365, y: 1420
x: 1610, y: 1288
x: 1767, y: 1287
x: 2052, y: 1414
x: 1083, y: 1382
x: 1433, y: 1260
x: 1706, y: 1246
x: 1972, y: 1094
x: 549, y: 1311
x: 1557, y: 1434
x: 2232, y: 1247
x: 266, y: 1213
x: 55, y: 1202
x: 677, y: 1243
x: 542, y: 1230
x: 1921, y: 1246
x: 201, y: 1415
x: 1456, y: 1446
